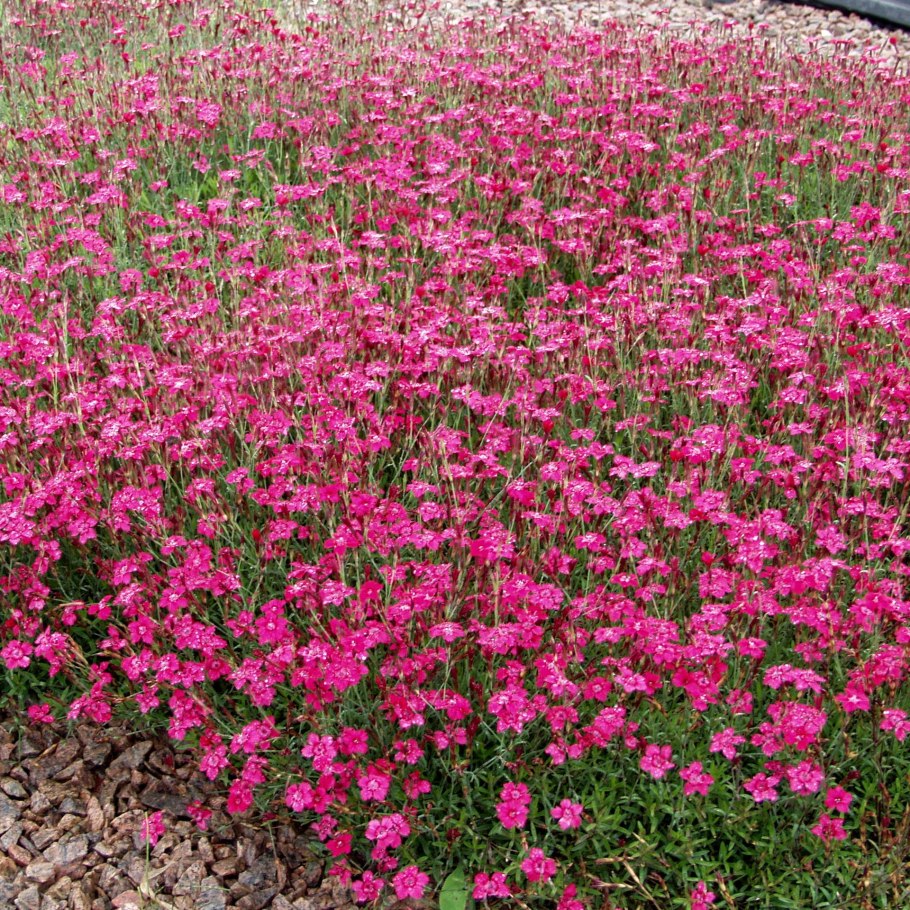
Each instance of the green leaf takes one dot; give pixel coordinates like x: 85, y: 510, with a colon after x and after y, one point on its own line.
x: 454, y: 893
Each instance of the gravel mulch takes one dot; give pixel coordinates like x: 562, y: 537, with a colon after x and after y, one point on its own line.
x: 795, y: 26
x: 72, y: 813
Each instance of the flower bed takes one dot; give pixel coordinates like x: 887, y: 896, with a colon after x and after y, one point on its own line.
x: 488, y: 447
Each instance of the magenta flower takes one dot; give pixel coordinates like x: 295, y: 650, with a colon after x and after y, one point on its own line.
x: 512, y: 808
x: 200, y: 814
x: 152, y: 828
x: 895, y: 720
x: 762, y: 787
x: 829, y: 829
x: 696, y: 779
x: 410, y: 882
x: 853, y: 698
x: 805, y: 778
x: 537, y: 866
x: 839, y: 799
x: 567, y: 814
x: 512, y: 814
x: 40, y: 714
x: 492, y: 885
x: 568, y: 900
x: 240, y: 797
x: 352, y: 370
x: 701, y: 898
x: 374, y: 785
x: 209, y: 113
x: 16, y: 655
x: 367, y: 888
x: 656, y: 761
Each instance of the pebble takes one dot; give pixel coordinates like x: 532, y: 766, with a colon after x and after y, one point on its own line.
x: 211, y: 895
x: 40, y: 872
x: 9, y: 813
x: 44, y: 837
x: 12, y: 835
x: 18, y: 854
x: 190, y: 883
x: 29, y: 899
x: 257, y: 900
x: 96, y: 753
x: 261, y: 871
x: 67, y: 851
x: 13, y: 788
x: 131, y: 758
x: 61, y: 889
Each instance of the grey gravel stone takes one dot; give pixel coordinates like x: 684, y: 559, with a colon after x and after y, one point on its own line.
x: 44, y: 837
x: 190, y: 883
x: 28, y: 747
x: 131, y: 758
x: 257, y: 900
x: 51, y: 763
x: 261, y: 871
x: 211, y: 895
x: 29, y: 899
x: 67, y: 851
x: 9, y: 813
x: 96, y: 753
x: 40, y: 872
x: 12, y: 835
x: 13, y: 788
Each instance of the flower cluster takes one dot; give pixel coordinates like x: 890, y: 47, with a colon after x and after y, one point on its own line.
x: 490, y: 445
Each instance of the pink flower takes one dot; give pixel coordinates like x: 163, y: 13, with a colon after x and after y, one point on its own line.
x: 512, y: 809
x: 17, y: 654
x: 40, y: 714
x: 152, y: 829
x: 374, y: 785
x: 518, y: 793
x: 352, y: 741
x: 410, y: 882
x: 839, y: 799
x: 762, y: 787
x: 829, y: 828
x: 895, y: 720
x: 701, y: 898
x: 367, y: 888
x: 416, y: 786
x: 240, y: 797
x: 321, y: 751
x: 340, y: 845
x: 568, y: 901
x: 656, y: 761
x: 853, y: 699
x: 538, y: 866
x: 805, y: 778
x: 726, y: 742
x: 697, y: 780
x: 209, y: 113
x: 388, y: 831
x: 487, y: 886
x: 408, y: 751
x: 568, y: 814
x: 512, y: 814
x: 199, y: 814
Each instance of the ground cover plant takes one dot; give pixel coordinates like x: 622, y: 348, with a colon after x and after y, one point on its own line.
x: 488, y: 448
